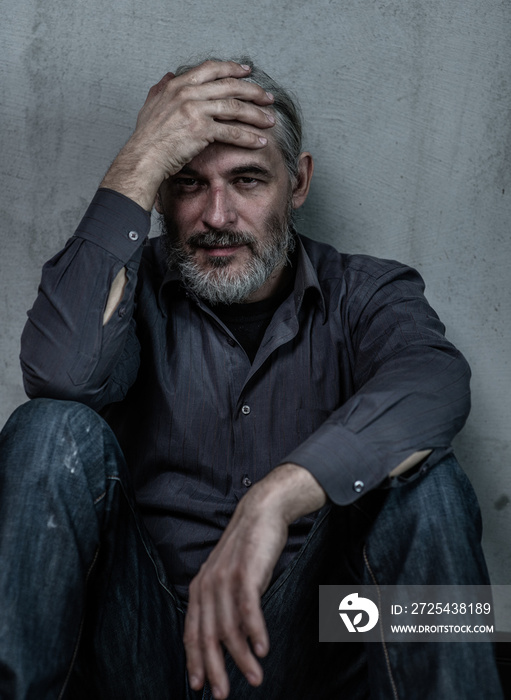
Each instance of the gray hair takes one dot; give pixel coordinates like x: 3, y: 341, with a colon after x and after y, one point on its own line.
x: 288, y: 125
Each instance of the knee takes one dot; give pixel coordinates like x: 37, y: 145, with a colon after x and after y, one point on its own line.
x: 433, y: 523
x: 45, y: 439
x: 442, y: 500
x: 435, y: 499
x: 47, y: 414
x: 48, y: 421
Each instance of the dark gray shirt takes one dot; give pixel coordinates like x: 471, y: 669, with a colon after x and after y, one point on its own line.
x: 352, y: 376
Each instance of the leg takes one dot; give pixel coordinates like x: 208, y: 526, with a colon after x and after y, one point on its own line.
x: 427, y: 531
x: 76, y: 563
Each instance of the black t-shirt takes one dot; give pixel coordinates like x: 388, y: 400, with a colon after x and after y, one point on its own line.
x: 248, y: 322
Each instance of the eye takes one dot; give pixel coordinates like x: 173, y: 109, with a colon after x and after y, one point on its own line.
x: 246, y: 181
x: 186, y: 182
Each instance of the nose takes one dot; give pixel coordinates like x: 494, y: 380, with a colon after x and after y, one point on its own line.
x: 219, y: 210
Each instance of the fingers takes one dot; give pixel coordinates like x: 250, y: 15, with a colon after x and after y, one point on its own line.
x: 196, y: 110
x: 232, y: 630
x: 217, y: 616
x: 240, y: 111
x: 204, y: 653
x: 192, y: 642
x: 212, y: 652
x: 237, y: 135
x: 229, y: 87
x: 227, y: 99
x: 254, y: 625
x: 183, y: 114
x: 215, y: 70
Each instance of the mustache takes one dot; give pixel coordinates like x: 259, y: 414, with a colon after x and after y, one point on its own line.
x: 219, y: 238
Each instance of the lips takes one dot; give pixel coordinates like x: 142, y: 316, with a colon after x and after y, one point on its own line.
x: 222, y: 250
x: 216, y: 240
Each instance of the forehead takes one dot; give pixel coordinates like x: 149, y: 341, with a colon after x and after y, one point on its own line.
x: 220, y: 158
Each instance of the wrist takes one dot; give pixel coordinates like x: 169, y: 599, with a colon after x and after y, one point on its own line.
x: 289, y: 491
x: 136, y: 175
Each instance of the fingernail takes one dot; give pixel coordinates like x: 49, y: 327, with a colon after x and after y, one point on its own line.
x: 269, y: 95
x: 271, y: 118
x: 194, y: 682
x: 252, y: 678
x: 216, y: 692
x: 244, y: 66
x: 259, y: 649
x: 263, y: 140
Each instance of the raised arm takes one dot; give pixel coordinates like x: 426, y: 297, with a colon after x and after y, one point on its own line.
x: 75, y: 345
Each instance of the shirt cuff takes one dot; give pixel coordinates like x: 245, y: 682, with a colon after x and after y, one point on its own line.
x: 115, y: 223
x: 345, y: 473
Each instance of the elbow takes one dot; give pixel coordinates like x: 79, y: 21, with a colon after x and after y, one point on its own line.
x: 59, y: 387
x: 459, y: 397
x: 35, y: 383
x: 36, y: 387
x: 465, y: 376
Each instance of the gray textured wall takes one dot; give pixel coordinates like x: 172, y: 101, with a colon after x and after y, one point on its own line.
x: 407, y: 105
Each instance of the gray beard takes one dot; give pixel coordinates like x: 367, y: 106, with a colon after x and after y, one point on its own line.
x: 218, y: 284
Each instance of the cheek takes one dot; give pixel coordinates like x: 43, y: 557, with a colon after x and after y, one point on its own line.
x: 253, y: 214
x: 185, y: 210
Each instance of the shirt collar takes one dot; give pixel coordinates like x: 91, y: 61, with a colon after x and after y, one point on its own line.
x: 306, y: 279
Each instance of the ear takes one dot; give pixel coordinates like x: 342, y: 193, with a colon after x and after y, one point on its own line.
x: 157, y: 203
x: 303, y: 179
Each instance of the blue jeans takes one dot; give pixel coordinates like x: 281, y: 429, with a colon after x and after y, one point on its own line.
x: 88, y: 611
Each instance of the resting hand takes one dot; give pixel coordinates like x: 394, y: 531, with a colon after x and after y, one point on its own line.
x: 225, y: 597
x: 181, y: 117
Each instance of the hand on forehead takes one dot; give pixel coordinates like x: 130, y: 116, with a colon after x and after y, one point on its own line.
x: 206, y: 104
x: 182, y: 115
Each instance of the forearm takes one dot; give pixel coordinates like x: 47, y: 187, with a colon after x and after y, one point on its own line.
x: 135, y: 174
x: 289, y: 490
x: 66, y: 351
x: 293, y: 491
x: 115, y: 294
x: 413, y: 407
x: 410, y: 462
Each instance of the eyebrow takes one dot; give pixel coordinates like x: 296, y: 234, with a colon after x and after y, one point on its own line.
x: 251, y: 168
x: 247, y: 168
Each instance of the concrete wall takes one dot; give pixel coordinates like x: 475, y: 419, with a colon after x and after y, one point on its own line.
x: 407, y: 105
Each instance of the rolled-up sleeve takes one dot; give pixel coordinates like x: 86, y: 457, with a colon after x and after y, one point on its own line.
x: 411, y: 386
x: 66, y: 352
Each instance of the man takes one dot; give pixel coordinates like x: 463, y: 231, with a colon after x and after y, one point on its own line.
x: 258, y: 383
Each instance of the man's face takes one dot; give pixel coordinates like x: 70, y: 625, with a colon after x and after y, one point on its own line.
x: 227, y: 217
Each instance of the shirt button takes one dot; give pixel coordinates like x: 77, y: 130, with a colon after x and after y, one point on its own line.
x: 246, y: 481
x: 133, y: 236
x: 122, y: 311
x: 245, y: 410
x: 358, y: 486
x: 231, y: 342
